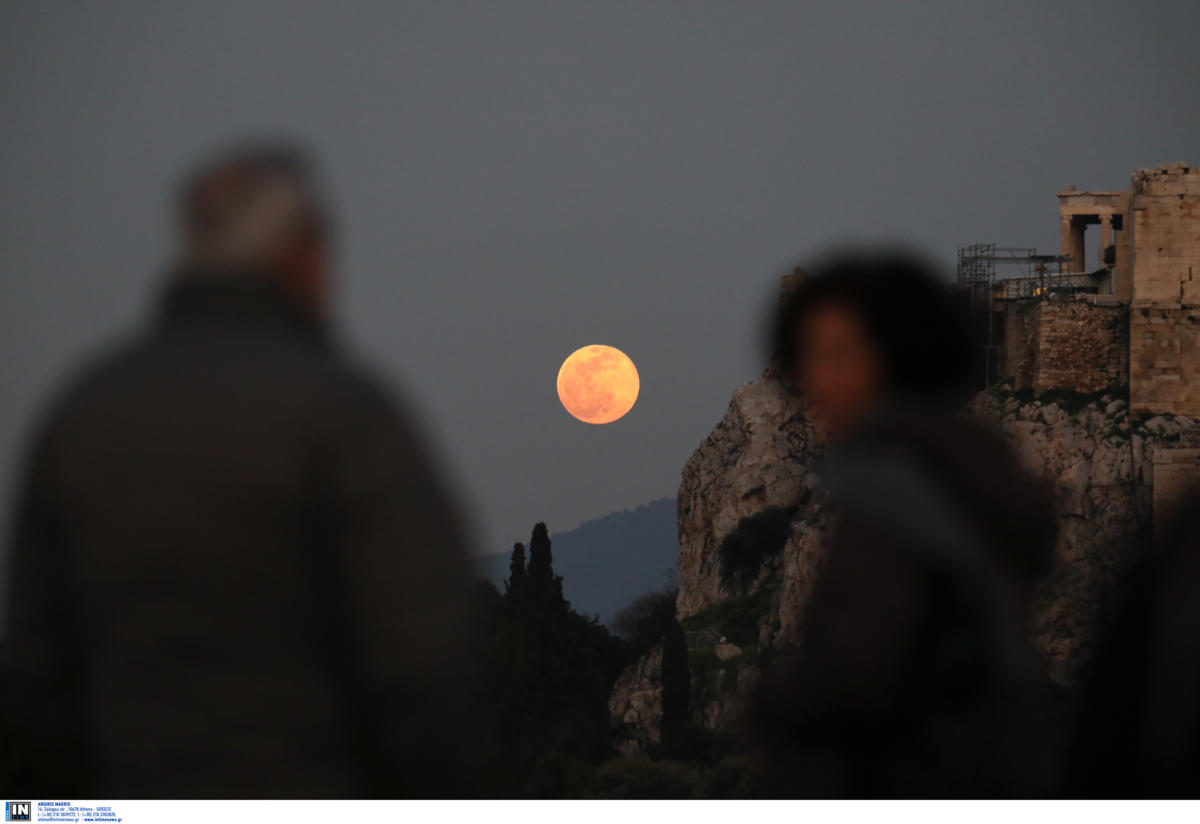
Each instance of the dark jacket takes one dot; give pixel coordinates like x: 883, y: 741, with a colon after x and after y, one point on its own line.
x: 1137, y: 727
x: 235, y: 571
x: 914, y: 676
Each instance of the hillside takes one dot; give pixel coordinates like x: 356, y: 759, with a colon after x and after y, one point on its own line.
x: 751, y: 533
x: 608, y: 561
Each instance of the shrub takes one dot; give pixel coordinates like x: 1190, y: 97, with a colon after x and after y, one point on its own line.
x: 756, y: 538
x: 639, y: 777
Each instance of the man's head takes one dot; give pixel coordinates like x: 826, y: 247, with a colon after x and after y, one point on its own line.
x: 256, y: 211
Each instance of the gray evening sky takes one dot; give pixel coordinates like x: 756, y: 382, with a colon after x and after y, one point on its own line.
x: 518, y: 179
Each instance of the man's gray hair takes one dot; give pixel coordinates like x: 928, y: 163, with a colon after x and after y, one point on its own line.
x: 241, y: 208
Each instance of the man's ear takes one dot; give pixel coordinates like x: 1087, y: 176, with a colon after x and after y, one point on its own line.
x: 303, y: 270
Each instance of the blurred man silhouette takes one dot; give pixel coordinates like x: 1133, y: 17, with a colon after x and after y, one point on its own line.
x: 913, y: 677
x: 235, y: 570
x: 1137, y: 730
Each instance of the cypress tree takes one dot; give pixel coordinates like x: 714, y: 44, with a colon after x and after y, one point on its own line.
x: 551, y: 671
x: 545, y: 587
x: 676, y: 689
x: 516, y: 588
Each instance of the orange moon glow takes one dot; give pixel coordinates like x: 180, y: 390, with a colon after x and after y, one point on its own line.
x: 598, y: 384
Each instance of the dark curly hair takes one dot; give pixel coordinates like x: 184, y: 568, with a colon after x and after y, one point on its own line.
x: 902, y: 305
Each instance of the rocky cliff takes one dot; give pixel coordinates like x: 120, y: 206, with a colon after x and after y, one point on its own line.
x: 748, y: 485
x: 751, y: 532
x: 760, y: 457
x: 1100, y: 460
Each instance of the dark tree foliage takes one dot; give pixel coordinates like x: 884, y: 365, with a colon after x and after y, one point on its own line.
x: 676, y: 690
x: 756, y: 538
x: 541, y: 562
x: 545, y: 587
x: 644, y: 622
x: 548, y: 676
x: 517, y: 585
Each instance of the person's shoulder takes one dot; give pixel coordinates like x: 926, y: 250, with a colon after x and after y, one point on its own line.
x: 937, y: 438
x: 357, y: 392
x: 92, y: 378
x: 356, y: 383
x: 979, y: 473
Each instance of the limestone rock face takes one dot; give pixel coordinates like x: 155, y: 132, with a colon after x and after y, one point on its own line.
x: 798, y: 572
x: 764, y: 454
x: 732, y: 690
x: 1100, y: 464
x: 635, y: 704
x: 725, y: 650
x: 758, y: 457
x: 761, y: 456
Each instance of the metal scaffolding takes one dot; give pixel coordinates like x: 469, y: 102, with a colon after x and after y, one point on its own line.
x: 980, y: 259
x: 977, y: 278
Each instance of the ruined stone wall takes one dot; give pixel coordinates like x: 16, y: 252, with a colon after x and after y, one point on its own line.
x: 1020, y: 342
x: 1081, y: 346
x: 1065, y: 344
x: 1166, y: 235
x: 1165, y: 320
x: 1164, y: 360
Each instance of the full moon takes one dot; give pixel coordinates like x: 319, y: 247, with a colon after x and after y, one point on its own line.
x: 598, y: 384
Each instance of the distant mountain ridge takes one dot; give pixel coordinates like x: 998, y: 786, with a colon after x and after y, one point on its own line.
x: 608, y: 561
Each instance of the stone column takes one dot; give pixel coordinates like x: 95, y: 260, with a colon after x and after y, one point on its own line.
x: 1124, y: 260
x: 1067, y: 249
x: 1078, y: 249
x: 1105, y: 242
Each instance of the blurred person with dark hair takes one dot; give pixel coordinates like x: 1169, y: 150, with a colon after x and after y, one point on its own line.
x: 913, y: 676
x: 1137, y: 732
x: 236, y: 570
x: 863, y: 331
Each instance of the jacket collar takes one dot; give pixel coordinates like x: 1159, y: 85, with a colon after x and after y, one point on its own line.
x: 241, y: 300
